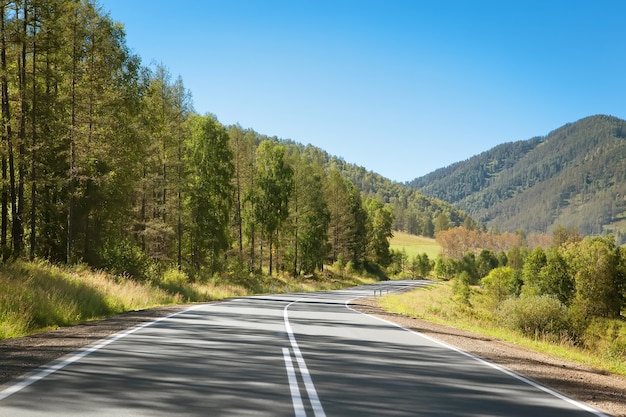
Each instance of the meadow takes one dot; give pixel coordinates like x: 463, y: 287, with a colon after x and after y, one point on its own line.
x: 414, y: 245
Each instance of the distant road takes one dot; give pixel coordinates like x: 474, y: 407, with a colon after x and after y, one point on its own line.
x: 279, y: 355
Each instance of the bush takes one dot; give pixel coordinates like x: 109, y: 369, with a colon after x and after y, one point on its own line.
x: 125, y: 258
x: 536, y: 316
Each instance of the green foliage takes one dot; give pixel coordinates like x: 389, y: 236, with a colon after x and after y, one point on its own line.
x: 599, y: 277
x: 399, y: 262
x: 421, y: 266
x: 210, y: 192
x: 540, y: 316
x: 486, y: 262
x: 469, y: 265
x: 497, y: 284
x: 309, y: 218
x: 516, y: 283
x: 442, y: 222
x: 379, y: 232
x: 439, y: 268
x: 555, y: 277
x: 461, y: 287
x: 533, y: 264
x: 124, y: 257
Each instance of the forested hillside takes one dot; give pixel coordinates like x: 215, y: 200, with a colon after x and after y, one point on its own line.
x: 414, y: 212
x: 573, y: 177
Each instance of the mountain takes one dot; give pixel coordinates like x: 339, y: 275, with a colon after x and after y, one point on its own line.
x: 573, y: 177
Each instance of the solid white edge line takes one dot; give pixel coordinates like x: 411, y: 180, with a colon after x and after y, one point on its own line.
x: 59, y: 364
x: 532, y: 383
x: 296, y: 399
x: 318, y: 410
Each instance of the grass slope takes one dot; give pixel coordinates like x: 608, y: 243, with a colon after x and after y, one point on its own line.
x: 37, y: 296
x: 438, y: 304
x: 414, y: 245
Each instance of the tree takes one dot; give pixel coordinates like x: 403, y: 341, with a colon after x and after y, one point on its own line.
x: 243, y: 146
x: 486, y: 262
x: 497, y: 284
x: 210, y: 192
x: 309, y: 217
x: 341, y: 221
x: 421, y: 265
x: 442, y: 222
x: 98, y: 94
x: 7, y: 133
x: 599, y: 277
x: 533, y: 265
x: 555, y: 278
x: 274, y: 186
x: 380, y: 222
x: 562, y: 235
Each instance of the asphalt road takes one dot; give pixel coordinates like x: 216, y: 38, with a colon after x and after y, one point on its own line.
x: 279, y: 355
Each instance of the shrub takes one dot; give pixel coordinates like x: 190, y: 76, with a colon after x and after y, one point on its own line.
x: 536, y: 316
x: 125, y: 258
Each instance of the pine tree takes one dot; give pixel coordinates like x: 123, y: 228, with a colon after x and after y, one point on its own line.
x: 210, y: 192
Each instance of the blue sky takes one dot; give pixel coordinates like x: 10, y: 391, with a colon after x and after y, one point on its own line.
x: 401, y: 87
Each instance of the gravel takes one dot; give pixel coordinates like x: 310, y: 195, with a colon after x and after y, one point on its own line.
x: 599, y: 389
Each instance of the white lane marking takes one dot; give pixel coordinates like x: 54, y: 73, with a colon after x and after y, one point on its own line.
x: 62, y: 363
x: 296, y: 399
x: 545, y: 389
x: 306, y: 376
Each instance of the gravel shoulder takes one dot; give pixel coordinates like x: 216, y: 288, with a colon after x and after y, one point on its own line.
x: 601, y: 390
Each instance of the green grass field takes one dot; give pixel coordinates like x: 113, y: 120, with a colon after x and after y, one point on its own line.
x: 414, y: 245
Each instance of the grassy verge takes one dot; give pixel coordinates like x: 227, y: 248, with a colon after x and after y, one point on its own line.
x: 437, y: 304
x: 38, y: 296
x: 414, y: 245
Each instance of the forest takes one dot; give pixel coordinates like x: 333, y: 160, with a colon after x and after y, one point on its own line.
x: 105, y: 162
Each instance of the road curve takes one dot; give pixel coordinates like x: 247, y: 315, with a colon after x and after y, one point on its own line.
x: 278, y: 355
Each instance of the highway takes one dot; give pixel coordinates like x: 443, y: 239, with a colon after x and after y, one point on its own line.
x: 278, y: 355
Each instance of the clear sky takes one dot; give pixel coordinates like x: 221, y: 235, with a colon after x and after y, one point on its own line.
x: 401, y: 87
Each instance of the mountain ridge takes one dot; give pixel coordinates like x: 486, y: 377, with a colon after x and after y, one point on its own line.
x: 575, y: 176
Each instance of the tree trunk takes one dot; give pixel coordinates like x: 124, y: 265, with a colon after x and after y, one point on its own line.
x: 18, y: 225
x: 179, y: 232
x: 33, y: 166
x: 72, y: 154
x: 6, y: 119
x: 271, y: 257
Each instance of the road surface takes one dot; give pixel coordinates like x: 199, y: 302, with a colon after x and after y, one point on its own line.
x: 278, y: 355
